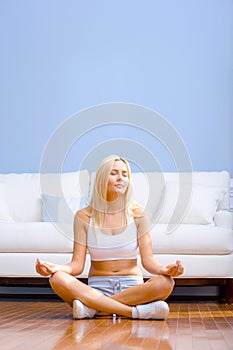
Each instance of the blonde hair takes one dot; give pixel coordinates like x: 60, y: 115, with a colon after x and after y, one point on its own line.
x: 98, y: 201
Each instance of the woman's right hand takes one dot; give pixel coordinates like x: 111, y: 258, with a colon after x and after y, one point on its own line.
x: 45, y: 268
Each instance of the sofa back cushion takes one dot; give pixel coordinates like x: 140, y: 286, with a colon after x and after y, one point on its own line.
x: 5, y: 214
x: 203, y: 194
x: 219, y: 179
x: 148, y: 189
x: 61, y: 209
x: 195, y: 204
x: 22, y: 192
x: 22, y: 197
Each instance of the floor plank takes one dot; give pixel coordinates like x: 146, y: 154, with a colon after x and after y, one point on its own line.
x: 47, y: 325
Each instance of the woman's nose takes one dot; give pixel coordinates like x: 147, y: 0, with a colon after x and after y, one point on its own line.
x: 119, y: 177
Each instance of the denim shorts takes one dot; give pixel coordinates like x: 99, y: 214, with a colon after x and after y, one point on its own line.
x: 110, y: 285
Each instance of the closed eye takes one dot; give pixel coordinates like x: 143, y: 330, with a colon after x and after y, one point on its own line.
x: 115, y: 172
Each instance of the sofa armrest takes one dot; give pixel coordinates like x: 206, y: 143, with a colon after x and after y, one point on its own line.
x: 224, y: 218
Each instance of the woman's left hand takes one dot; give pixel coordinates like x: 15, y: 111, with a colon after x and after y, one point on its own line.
x: 174, y: 270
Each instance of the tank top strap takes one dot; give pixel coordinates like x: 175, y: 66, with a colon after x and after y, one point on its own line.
x: 130, y: 219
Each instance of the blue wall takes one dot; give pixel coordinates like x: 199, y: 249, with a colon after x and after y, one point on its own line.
x: 59, y: 57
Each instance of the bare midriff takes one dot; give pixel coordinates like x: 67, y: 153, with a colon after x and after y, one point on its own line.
x: 125, y: 267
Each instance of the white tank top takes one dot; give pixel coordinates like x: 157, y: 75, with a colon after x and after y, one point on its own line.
x: 102, y: 246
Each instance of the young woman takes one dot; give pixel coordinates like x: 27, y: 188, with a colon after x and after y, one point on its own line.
x: 113, y: 228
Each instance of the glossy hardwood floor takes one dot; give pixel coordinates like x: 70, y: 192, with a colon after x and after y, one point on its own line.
x: 45, y: 325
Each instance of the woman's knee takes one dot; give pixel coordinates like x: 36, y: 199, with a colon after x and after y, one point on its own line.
x: 62, y: 284
x: 165, y: 284
x: 58, y: 278
x: 169, y: 282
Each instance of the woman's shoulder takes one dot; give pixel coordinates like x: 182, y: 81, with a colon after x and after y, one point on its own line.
x: 141, y: 218
x: 136, y: 210
x: 84, y: 214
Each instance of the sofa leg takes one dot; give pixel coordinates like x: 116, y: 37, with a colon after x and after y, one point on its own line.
x: 229, y: 290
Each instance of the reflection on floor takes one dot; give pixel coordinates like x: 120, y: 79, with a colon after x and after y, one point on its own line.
x: 46, y: 325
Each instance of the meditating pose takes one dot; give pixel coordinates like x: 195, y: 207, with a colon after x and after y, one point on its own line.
x: 113, y: 228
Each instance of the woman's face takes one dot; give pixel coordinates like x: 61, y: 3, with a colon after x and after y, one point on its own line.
x: 118, y: 180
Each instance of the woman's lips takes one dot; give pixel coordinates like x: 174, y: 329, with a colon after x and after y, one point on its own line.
x: 119, y: 185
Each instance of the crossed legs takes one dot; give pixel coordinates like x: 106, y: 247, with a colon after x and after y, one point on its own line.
x: 69, y: 289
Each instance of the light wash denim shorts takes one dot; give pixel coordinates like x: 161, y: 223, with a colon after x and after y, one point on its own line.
x: 110, y: 285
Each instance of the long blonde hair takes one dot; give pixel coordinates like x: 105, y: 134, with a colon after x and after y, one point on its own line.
x: 98, y: 201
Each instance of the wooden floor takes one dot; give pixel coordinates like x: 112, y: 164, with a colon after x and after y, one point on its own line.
x: 45, y: 325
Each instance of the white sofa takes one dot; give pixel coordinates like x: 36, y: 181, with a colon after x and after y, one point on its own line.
x: 36, y: 221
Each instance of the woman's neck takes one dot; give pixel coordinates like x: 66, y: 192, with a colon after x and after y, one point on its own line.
x: 116, y: 206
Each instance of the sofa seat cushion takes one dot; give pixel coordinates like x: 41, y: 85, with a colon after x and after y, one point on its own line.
x: 192, y: 239
x: 43, y: 237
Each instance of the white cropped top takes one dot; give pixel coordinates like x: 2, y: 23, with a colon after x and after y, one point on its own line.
x: 102, y: 246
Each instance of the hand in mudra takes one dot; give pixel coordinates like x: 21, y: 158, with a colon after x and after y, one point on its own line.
x: 175, y: 269
x: 45, y: 268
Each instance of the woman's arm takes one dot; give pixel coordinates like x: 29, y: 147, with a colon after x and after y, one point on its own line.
x: 76, y: 266
x: 149, y: 262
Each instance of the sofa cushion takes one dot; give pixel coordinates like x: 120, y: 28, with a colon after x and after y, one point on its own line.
x: 61, y: 209
x: 148, y: 189
x: 72, y: 184
x: 4, y: 208
x: 58, y: 238
x: 32, y: 237
x: 205, y: 178
x: 23, y: 192
x: 23, y: 196
x: 192, y: 239
x: 197, y: 203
